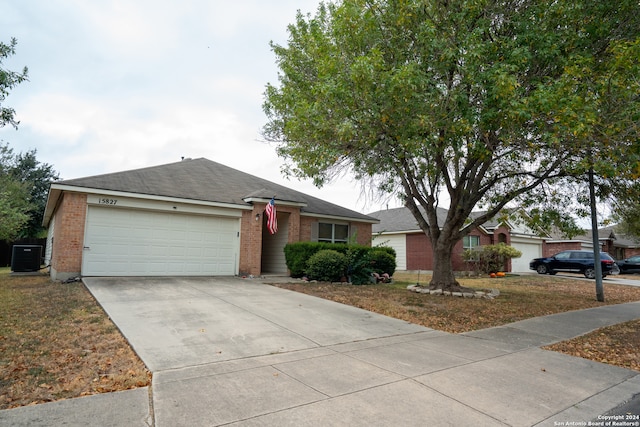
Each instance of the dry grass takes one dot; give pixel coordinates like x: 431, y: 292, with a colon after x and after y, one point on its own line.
x: 617, y: 345
x: 57, y: 343
x: 521, y: 297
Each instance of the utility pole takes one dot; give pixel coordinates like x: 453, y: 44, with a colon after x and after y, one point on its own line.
x: 596, y: 238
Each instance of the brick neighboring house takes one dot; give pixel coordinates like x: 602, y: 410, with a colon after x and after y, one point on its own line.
x: 194, y: 217
x: 399, y: 229
x: 618, y: 245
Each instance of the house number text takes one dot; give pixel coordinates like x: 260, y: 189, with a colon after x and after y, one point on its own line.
x: 103, y: 201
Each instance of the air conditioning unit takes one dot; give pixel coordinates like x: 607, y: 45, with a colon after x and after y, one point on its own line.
x: 26, y: 258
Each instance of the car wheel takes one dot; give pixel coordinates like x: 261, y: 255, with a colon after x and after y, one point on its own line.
x: 590, y: 273
x: 542, y: 269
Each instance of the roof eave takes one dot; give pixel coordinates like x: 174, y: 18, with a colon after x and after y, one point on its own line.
x: 252, y: 200
x: 340, y: 218
x: 57, y: 189
x: 52, y: 201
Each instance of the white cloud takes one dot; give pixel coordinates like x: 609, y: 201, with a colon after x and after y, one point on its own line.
x: 117, y: 85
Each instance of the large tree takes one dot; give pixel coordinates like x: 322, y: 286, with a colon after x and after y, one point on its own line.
x: 626, y: 210
x: 470, y: 103
x: 8, y: 80
x: 24, y: 181
x: 30, y: 180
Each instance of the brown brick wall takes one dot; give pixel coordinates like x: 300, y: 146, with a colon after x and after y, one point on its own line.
x: 251, y: 235
x: 420, y: 251
x: 363, y: 233
x: 495, y: 238
x: 251, y: 241
x: 306, y: 223
x: 68, y: 239
x: 629, y: 252
x: 360, y: 229
x: 551, y: 248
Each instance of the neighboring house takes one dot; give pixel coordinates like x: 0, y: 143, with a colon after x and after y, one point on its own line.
x: 557, y: 242
x: 618, y: 245
x: 190, y: 218
x: 399, y: 229
x: 622, y: 246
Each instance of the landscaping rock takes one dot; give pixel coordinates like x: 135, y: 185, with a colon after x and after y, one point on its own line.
x: 493, y: 293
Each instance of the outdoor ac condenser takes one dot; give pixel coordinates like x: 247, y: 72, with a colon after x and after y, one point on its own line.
x: 26, y: 258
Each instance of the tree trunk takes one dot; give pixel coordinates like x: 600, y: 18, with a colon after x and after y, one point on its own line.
x: 443, y: 277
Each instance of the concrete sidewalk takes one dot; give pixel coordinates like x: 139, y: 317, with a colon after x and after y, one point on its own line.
x: 244, y: 353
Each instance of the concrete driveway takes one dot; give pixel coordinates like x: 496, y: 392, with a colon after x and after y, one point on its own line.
x: 233, y: 352
x: 179, y: 322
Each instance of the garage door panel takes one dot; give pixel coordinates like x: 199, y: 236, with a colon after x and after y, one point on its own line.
x: 129, y: 242
x: 529, y: 251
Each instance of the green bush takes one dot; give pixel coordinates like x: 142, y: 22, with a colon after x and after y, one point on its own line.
x: 358, y: 267
x: 490, y: 258
x: 387, y: 249
x: 297, y: 254
x: 382, y: 261
x: 326, y: 265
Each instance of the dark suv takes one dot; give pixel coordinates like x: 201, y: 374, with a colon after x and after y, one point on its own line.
x: 573, y: 262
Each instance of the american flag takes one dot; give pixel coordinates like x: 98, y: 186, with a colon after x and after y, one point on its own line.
x: 272, y: 221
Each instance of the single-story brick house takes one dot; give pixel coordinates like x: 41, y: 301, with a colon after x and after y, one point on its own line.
x: 398, y: 228
x: 189, y: 218
x: 618, y: 245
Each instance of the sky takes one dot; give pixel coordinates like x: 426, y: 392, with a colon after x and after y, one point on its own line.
x: 119, y: 85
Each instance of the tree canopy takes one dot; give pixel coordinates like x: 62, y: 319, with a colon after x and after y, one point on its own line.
x: 474, y: 103
x: 24, y: 187
x: 8, y: 80
x: 627, y: 210
x: 24, y: 181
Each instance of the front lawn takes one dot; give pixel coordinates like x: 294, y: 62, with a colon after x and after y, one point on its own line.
x: 521, y: 297
x: 56, y: 342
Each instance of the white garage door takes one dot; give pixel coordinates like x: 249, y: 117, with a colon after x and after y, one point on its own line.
x: 529, y: 251
x: 128, y: 242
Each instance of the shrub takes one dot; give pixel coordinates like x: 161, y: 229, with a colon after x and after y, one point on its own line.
x: 326, y: 265
x: 359, y: 265
x: 490, y: 258
x: 297, y: 254
x: 382, y: 261
x: 358, y: 260
x: 387, y: 249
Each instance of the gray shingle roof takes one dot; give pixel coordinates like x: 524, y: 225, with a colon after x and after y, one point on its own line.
x: 611, y: 233
x: 400, y: 219
x: 204, y: 180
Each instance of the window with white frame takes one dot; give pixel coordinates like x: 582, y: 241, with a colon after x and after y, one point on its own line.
x: 333, y: 233
x: 471, y: 246
x: 470, y: 242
